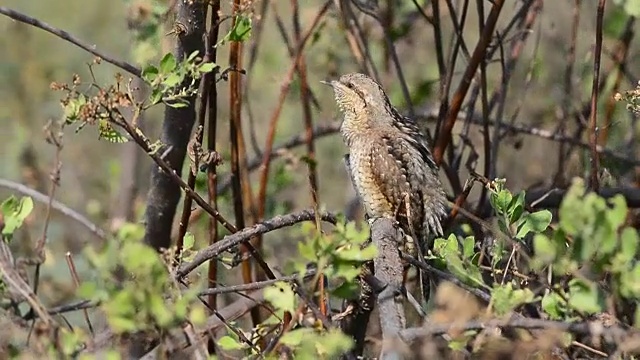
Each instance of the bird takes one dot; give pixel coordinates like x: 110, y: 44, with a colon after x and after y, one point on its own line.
x: 389, y: 160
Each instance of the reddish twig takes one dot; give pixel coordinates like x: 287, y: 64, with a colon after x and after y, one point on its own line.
x: 306, y: 99
x: 273, y: 121
x: 212, y: 183
x: 593, y: 135
x: 239, y: 181
x: 444, y: 136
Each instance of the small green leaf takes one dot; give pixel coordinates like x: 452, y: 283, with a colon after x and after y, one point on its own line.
x: 172, y: 80
x: 168, y: 63
x: 192, y: 56
x: 505, y: 299
x: 536, y: 222
x: 501, y: 201
x: 177, y: 104
x: 106, y: 131
x: 228, y: 343
x: 188, y: 241
x: 281, y: 296
x: 15, y: 212
x: 516, y: 207
x: 241, y: 30
x: 156, y: 96
x: 307, y: 250
x: 150, y: 73
x: 585, y: 296
x: 295, y: 337
x: 357, y: 254
x: 617, y: 214
x: 544, y: 249
x: 468, y: 247
x: 553, y: 304
x: 347, y: 290
x: 207, y: 67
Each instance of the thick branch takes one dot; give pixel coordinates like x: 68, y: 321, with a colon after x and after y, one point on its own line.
x: 164, y: 193
x: 388, y: 268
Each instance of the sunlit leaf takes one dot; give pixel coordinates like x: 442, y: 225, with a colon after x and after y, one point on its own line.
x: 168, y: 63
x: 15, y: 212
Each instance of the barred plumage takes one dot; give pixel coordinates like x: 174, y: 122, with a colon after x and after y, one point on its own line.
x: 390, y: 161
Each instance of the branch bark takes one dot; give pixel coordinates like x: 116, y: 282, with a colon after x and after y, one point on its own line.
x: 245, y: 234
x: 164, y: 193
x: 388, y: 269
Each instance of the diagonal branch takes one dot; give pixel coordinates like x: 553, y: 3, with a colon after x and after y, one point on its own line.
x: 133, y: 70
x: 245, y: 234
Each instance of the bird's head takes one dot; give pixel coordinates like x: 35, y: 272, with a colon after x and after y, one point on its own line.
x: 357, y: 94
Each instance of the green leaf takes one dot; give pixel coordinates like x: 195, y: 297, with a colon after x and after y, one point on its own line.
x: 630, y: 283
x: 241, y: 30
x: 188, y: 241
x: 468, y: 247
x: 281, y: 296
x: 15, y: 212
x: 536, y: 222
x: 347, y: 290
x: 228, y: 343
x: 553, y: 304
x: 106, y: 131
x: 617, y: 214
x: 516, y: 207
x: 332, y: 344
x: 192, y: 56
x: 307, y: 250
x: 357, y: 254
x: 172, y: 80
x: 501, y: 201
x: 168, y: 63
x: 150, y: 73
x: 505, y: 299
x: 177, y: 104
x: 156, y: 96
x: 295, y: 337
x: 585, y: 296
x: 544, y: 250
x: 207, y: 67
x: 444, y: 247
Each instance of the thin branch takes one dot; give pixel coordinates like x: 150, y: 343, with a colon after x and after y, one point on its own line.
x: 593, y: 123
x: 245, y: 234
x: 55, y: 204
x: 610, y: 334
x: 133, y: 70
x: 444, y: 137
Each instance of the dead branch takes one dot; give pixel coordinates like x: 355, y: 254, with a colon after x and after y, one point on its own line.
x: 133, y: 70
x: 245, y: 234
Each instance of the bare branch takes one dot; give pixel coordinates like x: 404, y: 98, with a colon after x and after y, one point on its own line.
x: 133, y: 70
x: 388, y: 268
x: 65, y: 210
x: 245, y: 234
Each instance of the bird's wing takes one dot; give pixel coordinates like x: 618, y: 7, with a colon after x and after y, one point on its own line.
x: 417, y: 140
x: 391, y: 176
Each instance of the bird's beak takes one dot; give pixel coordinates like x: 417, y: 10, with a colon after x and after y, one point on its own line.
x: 329, y: 83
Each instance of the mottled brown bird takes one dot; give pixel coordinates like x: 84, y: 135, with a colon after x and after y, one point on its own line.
x: 390, y: 162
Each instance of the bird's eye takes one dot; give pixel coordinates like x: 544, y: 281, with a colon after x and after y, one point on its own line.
x: 350, y: 85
